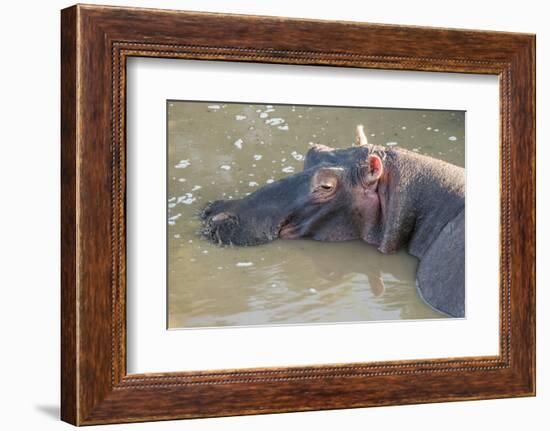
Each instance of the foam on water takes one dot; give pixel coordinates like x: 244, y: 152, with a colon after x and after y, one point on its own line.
x: 182, y: 164
x: 244, y: 264
x: 172, y: 219
x: 274, y: 121
x: 186, y: 199
x: 297, y: 155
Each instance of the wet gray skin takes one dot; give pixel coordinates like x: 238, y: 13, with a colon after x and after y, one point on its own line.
x: 389, y: 198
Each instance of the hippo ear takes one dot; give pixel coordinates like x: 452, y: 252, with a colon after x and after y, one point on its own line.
x: 372, y: 170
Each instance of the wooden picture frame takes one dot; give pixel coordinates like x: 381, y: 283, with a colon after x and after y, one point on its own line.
x: 95, y: 43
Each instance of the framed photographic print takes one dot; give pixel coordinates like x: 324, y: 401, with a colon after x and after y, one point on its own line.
x: 265, y: 215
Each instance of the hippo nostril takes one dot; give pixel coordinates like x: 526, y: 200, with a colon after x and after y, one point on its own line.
x: 213, y: 208
x: 220, y: 217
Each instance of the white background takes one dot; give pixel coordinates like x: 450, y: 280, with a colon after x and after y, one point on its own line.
x: 29, y: 216
x: 151, y: 348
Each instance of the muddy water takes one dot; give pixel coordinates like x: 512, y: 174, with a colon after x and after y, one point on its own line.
x: 225, y: 151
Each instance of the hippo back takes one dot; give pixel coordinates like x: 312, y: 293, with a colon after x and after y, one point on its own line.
x: 440, y: 275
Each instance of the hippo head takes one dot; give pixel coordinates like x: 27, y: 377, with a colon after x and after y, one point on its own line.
x: 333, y: 199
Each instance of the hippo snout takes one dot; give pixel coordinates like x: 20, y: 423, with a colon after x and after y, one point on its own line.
x: 233, y: 222
x: 219, y: 227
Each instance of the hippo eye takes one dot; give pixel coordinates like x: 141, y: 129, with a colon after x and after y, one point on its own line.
x: 326, y: 187
x: 324, y: 183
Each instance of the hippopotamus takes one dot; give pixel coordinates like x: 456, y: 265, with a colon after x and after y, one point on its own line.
x: 389, y: 197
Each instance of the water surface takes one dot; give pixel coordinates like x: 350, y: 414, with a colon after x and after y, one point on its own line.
x: 222, y: 150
